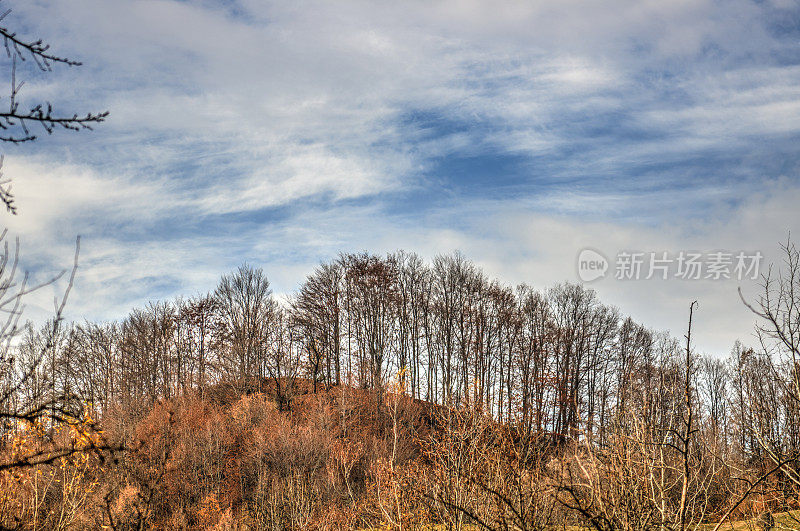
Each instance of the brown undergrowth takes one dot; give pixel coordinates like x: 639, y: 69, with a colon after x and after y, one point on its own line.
x: 341, y: 459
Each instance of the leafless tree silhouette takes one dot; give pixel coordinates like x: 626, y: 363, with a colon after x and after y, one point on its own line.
x: 15, y: 122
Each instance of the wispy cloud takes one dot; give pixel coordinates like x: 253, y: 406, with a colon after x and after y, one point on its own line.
x: 281, y: 133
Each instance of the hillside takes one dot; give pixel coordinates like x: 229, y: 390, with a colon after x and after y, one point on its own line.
x: 391, y: 393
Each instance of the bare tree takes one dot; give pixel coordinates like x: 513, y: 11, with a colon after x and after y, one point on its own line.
x: 317, y: 311
x: 28, y: 392
x: 714, y: 394
x: 201, y: 316
x: 247, y: 312
x: 374, y: 301
x: 778, y: 306
x: 413, y: 282
x: 283, y: 359
x: 16, y: 123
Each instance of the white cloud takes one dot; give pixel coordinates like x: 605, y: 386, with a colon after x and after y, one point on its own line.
x: 236, y: 109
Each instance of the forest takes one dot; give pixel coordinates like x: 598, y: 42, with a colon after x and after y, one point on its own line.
x: 391, y: 392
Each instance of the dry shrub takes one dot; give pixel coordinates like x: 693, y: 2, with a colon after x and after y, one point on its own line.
x: 486, y: 474
x: 635, y: 480
x: 333, y: 462
x: 345, y: 458
x: 196, y: 463
x: 396, y: 498
x: 53, y: 494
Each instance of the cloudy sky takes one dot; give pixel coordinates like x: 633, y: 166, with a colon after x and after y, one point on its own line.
x: 517, y: 132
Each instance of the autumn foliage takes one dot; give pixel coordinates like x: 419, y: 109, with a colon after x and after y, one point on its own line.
x: 389, y: 393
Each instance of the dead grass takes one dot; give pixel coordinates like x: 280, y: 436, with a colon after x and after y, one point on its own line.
x: 787, y: 520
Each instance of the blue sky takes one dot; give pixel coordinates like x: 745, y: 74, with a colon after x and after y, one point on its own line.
x: 516, y: 132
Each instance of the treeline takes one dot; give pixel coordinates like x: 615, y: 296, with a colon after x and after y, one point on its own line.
x: 390, y: 391
x: 558, y: 361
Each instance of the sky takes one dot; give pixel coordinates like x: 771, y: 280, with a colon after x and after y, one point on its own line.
x: 520, y: 133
